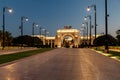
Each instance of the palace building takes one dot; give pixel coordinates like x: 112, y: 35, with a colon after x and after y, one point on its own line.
x: 66, y: 37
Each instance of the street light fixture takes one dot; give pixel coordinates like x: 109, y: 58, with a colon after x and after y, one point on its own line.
x: 22, y: 20
x: 45, y: 31
x: 88, y: 9
x: 89, y: 16
x: 83, y: 30
x: 34, y: 25
x: 86, y: 25
x: 40, y: 31
x: 10, y: 11
x: 21, y: 27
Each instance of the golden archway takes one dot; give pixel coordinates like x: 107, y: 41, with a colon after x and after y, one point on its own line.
x: 67, y: 31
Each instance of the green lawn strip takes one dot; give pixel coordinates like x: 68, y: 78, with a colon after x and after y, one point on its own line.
x: 114, y: 54
x: 111, y: 53
x: 15, y: 56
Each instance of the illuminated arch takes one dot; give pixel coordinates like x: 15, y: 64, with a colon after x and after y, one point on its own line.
x: 61, y: 33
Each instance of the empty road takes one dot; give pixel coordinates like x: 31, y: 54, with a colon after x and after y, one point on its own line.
x: 63, y: 64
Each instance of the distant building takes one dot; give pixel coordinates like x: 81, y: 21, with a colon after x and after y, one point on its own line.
x: 66, y: 37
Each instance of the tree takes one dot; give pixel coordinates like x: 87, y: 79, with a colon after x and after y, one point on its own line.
x: 118, y: 32
x: 37, y: 41
x: 118, y: 38
x: 8, y: 37
x: 100, y: 41
x: 27, y: 40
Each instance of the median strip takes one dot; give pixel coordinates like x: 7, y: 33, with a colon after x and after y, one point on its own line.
x: 15, y: 56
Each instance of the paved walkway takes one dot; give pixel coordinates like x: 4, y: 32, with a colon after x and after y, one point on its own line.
x: 63, y: 64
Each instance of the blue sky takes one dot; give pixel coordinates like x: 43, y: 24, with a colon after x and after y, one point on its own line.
x: 55, y: 14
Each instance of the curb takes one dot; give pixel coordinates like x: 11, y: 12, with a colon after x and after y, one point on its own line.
x: 106, y: 54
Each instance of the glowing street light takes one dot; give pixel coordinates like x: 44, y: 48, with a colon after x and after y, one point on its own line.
x: 86, y: 25
x: 88, y: 9
x: 89, y: 16
x: 22, y: 20
x: 34, y: 25
x: 40, y: 31
x: 10, y: 11
x: 45, y: 31
x: 21, y: 27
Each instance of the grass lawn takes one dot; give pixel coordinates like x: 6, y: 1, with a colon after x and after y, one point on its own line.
x: 112, y: 54
x: 15, y: 56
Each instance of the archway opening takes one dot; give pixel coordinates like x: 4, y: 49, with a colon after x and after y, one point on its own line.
x: 68, y: 41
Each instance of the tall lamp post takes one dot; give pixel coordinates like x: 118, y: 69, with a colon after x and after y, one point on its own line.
x: 47, y: 33
x: 87, y: 31
x: 34, y: 25
x: 21, y: 27
x: 10, y: 11
x: 40, y: 32
x: 86, y: 25
x: 22, y: 20
x: 45, y: 36
x: 83, y: 30
x: 88, y: 9
x: 106, y: 27
x: 89, y: 16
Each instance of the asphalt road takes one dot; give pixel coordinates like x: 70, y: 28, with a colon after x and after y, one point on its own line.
x: 63, y: 64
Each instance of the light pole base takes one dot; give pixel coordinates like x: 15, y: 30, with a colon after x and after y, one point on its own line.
x: 106, y: 50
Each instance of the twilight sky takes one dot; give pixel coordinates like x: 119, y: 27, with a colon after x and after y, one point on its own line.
x: 55, y: 14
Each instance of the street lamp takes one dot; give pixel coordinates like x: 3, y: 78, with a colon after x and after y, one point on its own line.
x: 86, y: 25
x: 21, y: 27
x: 40, y: 32
x: 88, y: 9
x: 106, y: 27
x: 89, y: 16
x: 83, y: 30
x: 10, y: 11
x: 34, y: 25
x: 45, y: 35
x: 87, y: 31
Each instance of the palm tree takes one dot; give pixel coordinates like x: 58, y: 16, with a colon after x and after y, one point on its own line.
x: 118, y: 32
x: 8, y: 37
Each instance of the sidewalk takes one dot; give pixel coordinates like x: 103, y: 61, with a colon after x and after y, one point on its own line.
x: 15, y: 50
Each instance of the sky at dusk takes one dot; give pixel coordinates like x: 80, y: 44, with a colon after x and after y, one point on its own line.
x: 55, y: 14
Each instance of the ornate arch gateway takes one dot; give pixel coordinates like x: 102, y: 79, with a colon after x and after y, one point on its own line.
x: 67, y: 37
